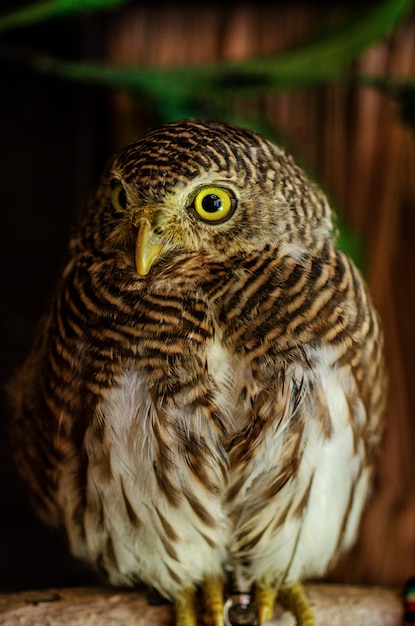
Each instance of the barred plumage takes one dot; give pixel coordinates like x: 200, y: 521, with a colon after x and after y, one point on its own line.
x: 203, y: 403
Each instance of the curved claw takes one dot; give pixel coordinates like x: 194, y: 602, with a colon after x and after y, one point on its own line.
x: 213, y: 594
x: 264, y: 600
x: 294, y: 599
x: 187, y: 604
x: 186, y: 608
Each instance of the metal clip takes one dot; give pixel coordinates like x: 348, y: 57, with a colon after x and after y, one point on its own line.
x: 239, y: 610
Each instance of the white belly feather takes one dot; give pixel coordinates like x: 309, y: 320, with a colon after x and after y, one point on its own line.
x: 331, y: 471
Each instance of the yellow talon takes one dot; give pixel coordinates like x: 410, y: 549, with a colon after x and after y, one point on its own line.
x: 187, y: 604
x: 293, y: 598
x: 264, y: 600
x: 186, y: 608
x: 213, y: 595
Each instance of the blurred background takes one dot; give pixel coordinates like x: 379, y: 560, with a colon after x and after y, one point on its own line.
x: 334, y: 82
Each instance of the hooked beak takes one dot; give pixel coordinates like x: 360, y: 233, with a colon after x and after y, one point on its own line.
x: 147, y: 247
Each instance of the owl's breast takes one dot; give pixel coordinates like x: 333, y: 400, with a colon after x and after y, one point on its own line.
x: 203, y: 431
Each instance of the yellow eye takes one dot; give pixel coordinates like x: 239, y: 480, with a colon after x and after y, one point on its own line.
x: 118, y: 197
x: 214, y: 204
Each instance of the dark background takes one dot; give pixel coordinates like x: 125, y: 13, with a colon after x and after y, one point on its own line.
x: 54, y: 139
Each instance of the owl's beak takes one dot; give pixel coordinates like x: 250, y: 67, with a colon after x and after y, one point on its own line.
x: 147, y: 247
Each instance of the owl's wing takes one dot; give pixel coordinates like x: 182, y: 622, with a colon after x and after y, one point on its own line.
x: 301, y: 467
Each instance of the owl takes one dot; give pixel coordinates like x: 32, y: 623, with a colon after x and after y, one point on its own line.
x: 203, y: 403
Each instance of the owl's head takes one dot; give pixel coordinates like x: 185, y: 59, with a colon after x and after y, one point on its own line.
x: 194, y: 186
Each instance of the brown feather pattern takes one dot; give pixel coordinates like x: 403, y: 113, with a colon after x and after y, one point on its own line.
x: 271, y: 291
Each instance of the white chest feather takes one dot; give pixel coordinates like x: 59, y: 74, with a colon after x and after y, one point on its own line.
x: 296, y: 499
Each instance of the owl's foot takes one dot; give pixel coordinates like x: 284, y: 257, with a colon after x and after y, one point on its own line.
x: 293, y: 598
x: 186, y: 614
x: 186, y: 604
x: 213, y: 596
x: 264, y: 601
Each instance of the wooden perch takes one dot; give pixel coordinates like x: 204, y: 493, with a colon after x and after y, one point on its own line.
x: 333, y: 605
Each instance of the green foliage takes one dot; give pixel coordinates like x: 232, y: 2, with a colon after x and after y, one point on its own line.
x: 196, y: 90
x: 42, y: 11
x: 401, y: 90
x: 177, y: 92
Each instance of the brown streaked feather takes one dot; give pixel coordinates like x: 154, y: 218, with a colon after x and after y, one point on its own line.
x: 224, y: 411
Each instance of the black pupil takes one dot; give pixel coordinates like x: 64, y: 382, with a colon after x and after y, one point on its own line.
x: 211, y: 203
x: 122, y: 198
